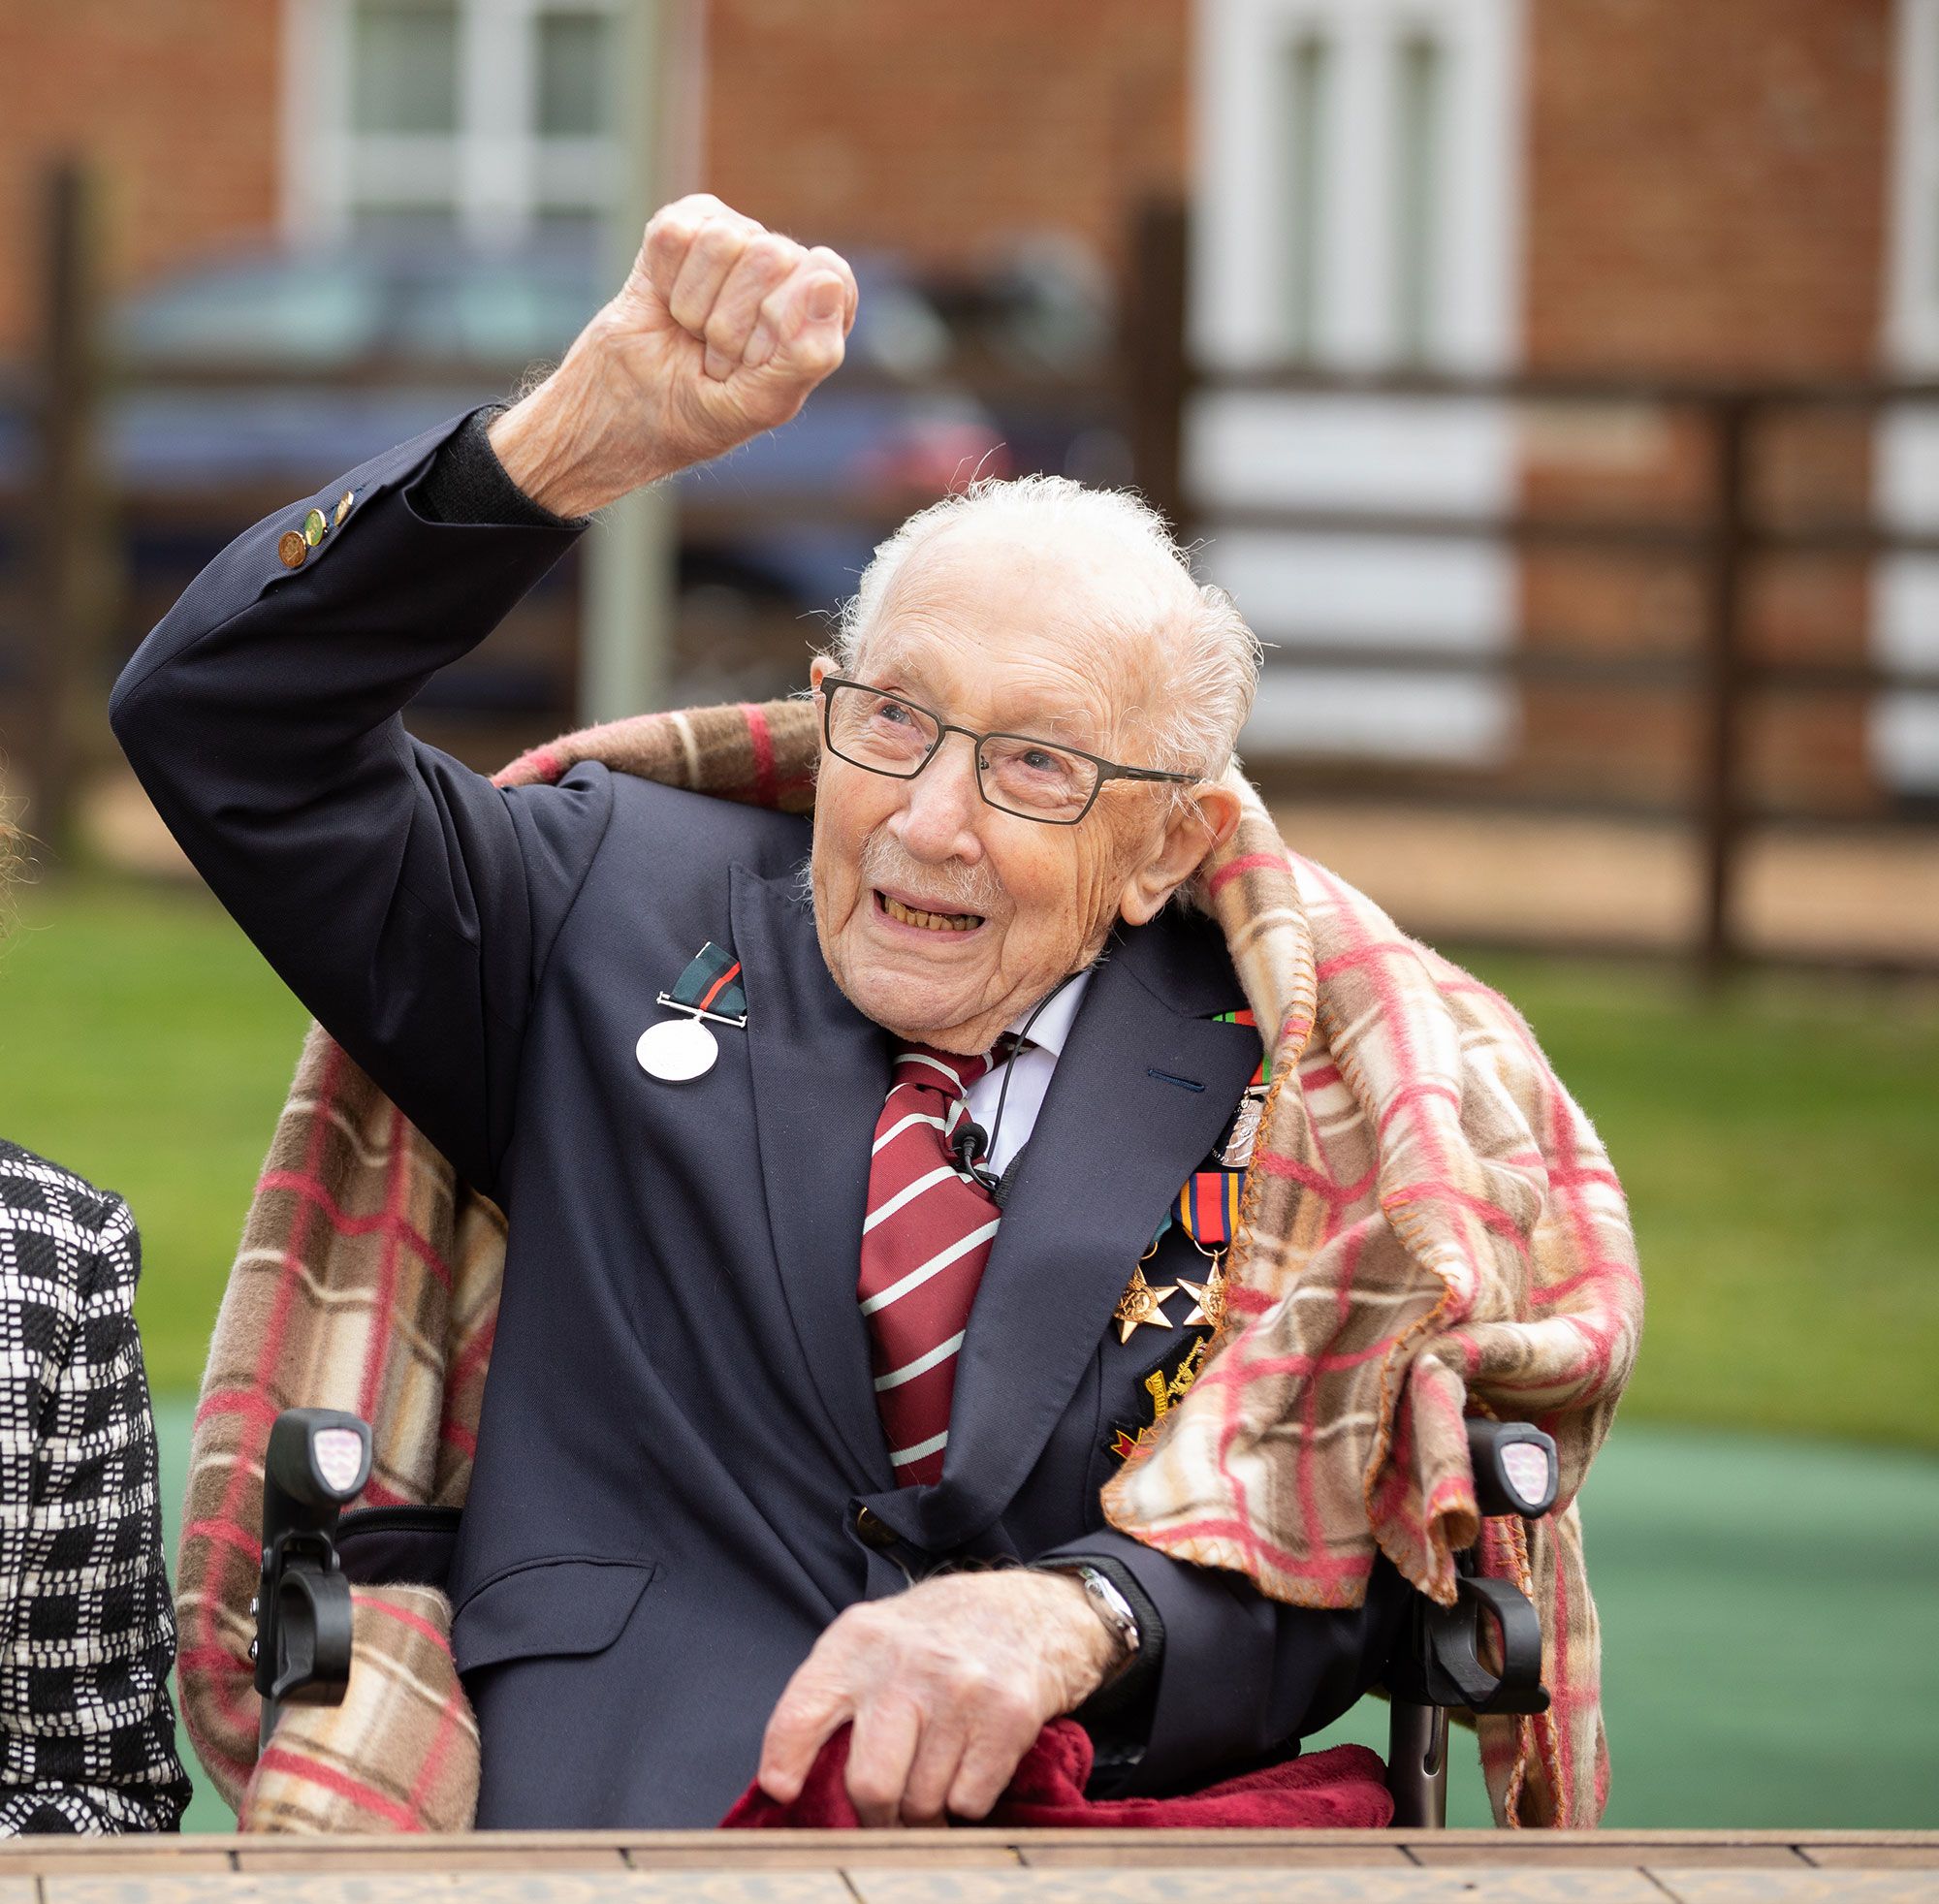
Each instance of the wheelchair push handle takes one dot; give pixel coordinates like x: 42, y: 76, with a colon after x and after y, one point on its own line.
x: 1516, y: 1471
x: 1485, y: 1651
x: 317, y: 1461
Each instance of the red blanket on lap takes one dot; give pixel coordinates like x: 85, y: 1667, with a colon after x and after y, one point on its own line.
x: 1340, y: 1789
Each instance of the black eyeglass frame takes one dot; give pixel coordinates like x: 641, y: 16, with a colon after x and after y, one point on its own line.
x: 1107, y: 770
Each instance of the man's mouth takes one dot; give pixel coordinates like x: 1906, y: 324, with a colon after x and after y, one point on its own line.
x: 927, y: 921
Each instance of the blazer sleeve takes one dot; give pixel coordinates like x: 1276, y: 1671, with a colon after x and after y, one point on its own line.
x: 408, y: 902
x: 85, y: 1722
x: 1238, y: 1675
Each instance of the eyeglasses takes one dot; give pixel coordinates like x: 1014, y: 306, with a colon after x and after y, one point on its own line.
x: 1034, y: 779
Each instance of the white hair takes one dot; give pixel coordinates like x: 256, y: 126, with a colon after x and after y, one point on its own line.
x: 1214, y: 656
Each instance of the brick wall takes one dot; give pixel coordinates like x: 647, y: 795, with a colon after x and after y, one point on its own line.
x: 1707, y: 188
x: 1705, y: 192
x: 178, y: 101
x: 935, y: 131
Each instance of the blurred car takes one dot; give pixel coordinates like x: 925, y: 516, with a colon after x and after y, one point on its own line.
x: 256, y: 374
x: 465, y: 316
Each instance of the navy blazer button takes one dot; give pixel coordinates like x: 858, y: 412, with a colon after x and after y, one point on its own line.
x: 292, y: 551
x: 874, y: 1530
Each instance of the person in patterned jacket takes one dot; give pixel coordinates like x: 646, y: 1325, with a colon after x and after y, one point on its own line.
x: 87, y: 1630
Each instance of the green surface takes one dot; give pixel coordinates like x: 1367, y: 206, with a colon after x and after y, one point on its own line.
x: 144, y: 1044
x: 1769, y: 1623
x: 1767, y: 1606
x: 174, y: 1418
x: 1771, y: 1636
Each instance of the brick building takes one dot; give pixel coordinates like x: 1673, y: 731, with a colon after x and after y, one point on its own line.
x: 1746, y: 188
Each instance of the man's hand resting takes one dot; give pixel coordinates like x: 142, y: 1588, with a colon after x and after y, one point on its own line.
x: 947, y: 1684
x: 720, y: 332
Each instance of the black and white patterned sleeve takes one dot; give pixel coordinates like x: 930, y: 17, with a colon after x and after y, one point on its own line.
x: 87, y: 1633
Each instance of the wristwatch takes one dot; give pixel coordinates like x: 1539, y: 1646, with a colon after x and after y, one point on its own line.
x: 1107, y: 1602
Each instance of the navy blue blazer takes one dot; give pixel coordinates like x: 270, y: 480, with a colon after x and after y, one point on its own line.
x: 680, y: 1437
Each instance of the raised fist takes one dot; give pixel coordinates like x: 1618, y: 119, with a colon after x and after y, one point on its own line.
x: 720, y: 332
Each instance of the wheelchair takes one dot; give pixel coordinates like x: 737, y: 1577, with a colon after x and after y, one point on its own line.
x: 1481, y: 1654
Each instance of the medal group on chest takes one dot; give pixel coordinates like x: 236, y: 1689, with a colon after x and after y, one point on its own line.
x: 711, y: 990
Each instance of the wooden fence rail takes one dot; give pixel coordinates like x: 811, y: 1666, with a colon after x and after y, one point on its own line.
x: 1725, y: 540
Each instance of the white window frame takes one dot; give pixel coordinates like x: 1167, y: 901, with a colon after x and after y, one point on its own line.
x: 1240, y: 266
x: 1377, y: 453
x: 1912, y: 266
x: 1904, y: 727
x: 502, y: 173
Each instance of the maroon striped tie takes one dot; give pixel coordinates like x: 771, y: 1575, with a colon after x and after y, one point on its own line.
x: 924, y: 1244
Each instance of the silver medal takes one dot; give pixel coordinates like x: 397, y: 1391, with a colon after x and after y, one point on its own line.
x: 676, y: 1050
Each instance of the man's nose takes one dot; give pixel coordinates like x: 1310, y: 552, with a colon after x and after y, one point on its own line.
x: 939, y: 820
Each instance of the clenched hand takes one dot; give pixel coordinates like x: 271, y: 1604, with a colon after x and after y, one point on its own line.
x: 720, y: 332
x: 947, y: 1684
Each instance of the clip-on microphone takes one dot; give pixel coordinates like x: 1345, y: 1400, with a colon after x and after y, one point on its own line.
x: 971, y: 1144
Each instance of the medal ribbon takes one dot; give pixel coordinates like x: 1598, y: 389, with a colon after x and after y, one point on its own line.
x: 713, y: 983
x: 1208, y: 1206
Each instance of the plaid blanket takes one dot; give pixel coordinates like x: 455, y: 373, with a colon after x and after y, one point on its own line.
x: 1429, y: 1227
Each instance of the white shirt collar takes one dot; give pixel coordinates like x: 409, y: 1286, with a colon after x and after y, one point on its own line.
x: 1053, y: 1023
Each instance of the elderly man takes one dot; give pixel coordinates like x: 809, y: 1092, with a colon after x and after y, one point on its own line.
x: 840, y: 1270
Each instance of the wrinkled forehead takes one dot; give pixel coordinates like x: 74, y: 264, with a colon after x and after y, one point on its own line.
x: 1071, y: 638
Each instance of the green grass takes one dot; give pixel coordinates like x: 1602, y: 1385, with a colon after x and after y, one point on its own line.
x: 1765, y: 1604
x: 144, y: 1044
x: 1780, y: 1145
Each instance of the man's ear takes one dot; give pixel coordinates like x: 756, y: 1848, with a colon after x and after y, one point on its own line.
x: 1203, y: 821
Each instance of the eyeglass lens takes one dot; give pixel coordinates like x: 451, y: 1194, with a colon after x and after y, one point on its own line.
x: 888, y: 735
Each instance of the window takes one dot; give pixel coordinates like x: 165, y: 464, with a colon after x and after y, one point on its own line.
x: 1303, y: 141
x: 1905, y: 597
x: 1367, y: 157
x: 1415, y: 231
x: 1359, y: 208
x: 486, y: 120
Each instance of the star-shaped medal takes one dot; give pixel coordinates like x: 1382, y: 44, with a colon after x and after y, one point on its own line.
x: 1141, y: 1303
x: 1208, y: 1297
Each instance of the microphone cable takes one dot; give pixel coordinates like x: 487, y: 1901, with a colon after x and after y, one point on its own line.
x: 984, y: 1143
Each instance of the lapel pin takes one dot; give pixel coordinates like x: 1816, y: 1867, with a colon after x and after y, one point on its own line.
x: 678, y: 1049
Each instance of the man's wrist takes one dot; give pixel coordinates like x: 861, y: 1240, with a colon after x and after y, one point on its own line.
x: 1108, y: 1610
x: 574, y: 444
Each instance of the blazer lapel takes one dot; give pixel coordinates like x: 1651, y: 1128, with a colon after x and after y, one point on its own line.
x: 820, y: 1072
x: 1121, y: 1130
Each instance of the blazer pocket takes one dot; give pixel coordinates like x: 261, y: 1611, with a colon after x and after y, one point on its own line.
x: 548, y: 1609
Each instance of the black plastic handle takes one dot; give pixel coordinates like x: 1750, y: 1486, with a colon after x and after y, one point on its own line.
x: 1451, y: 1670
x: 316, y: 1464
x: 1516, y: 1471
x: 317, y: 1461
x: 313, y: 1628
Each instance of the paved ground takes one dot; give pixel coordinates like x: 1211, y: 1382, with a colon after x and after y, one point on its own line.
x: 930, y: 1867
x: 1462, y: 876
